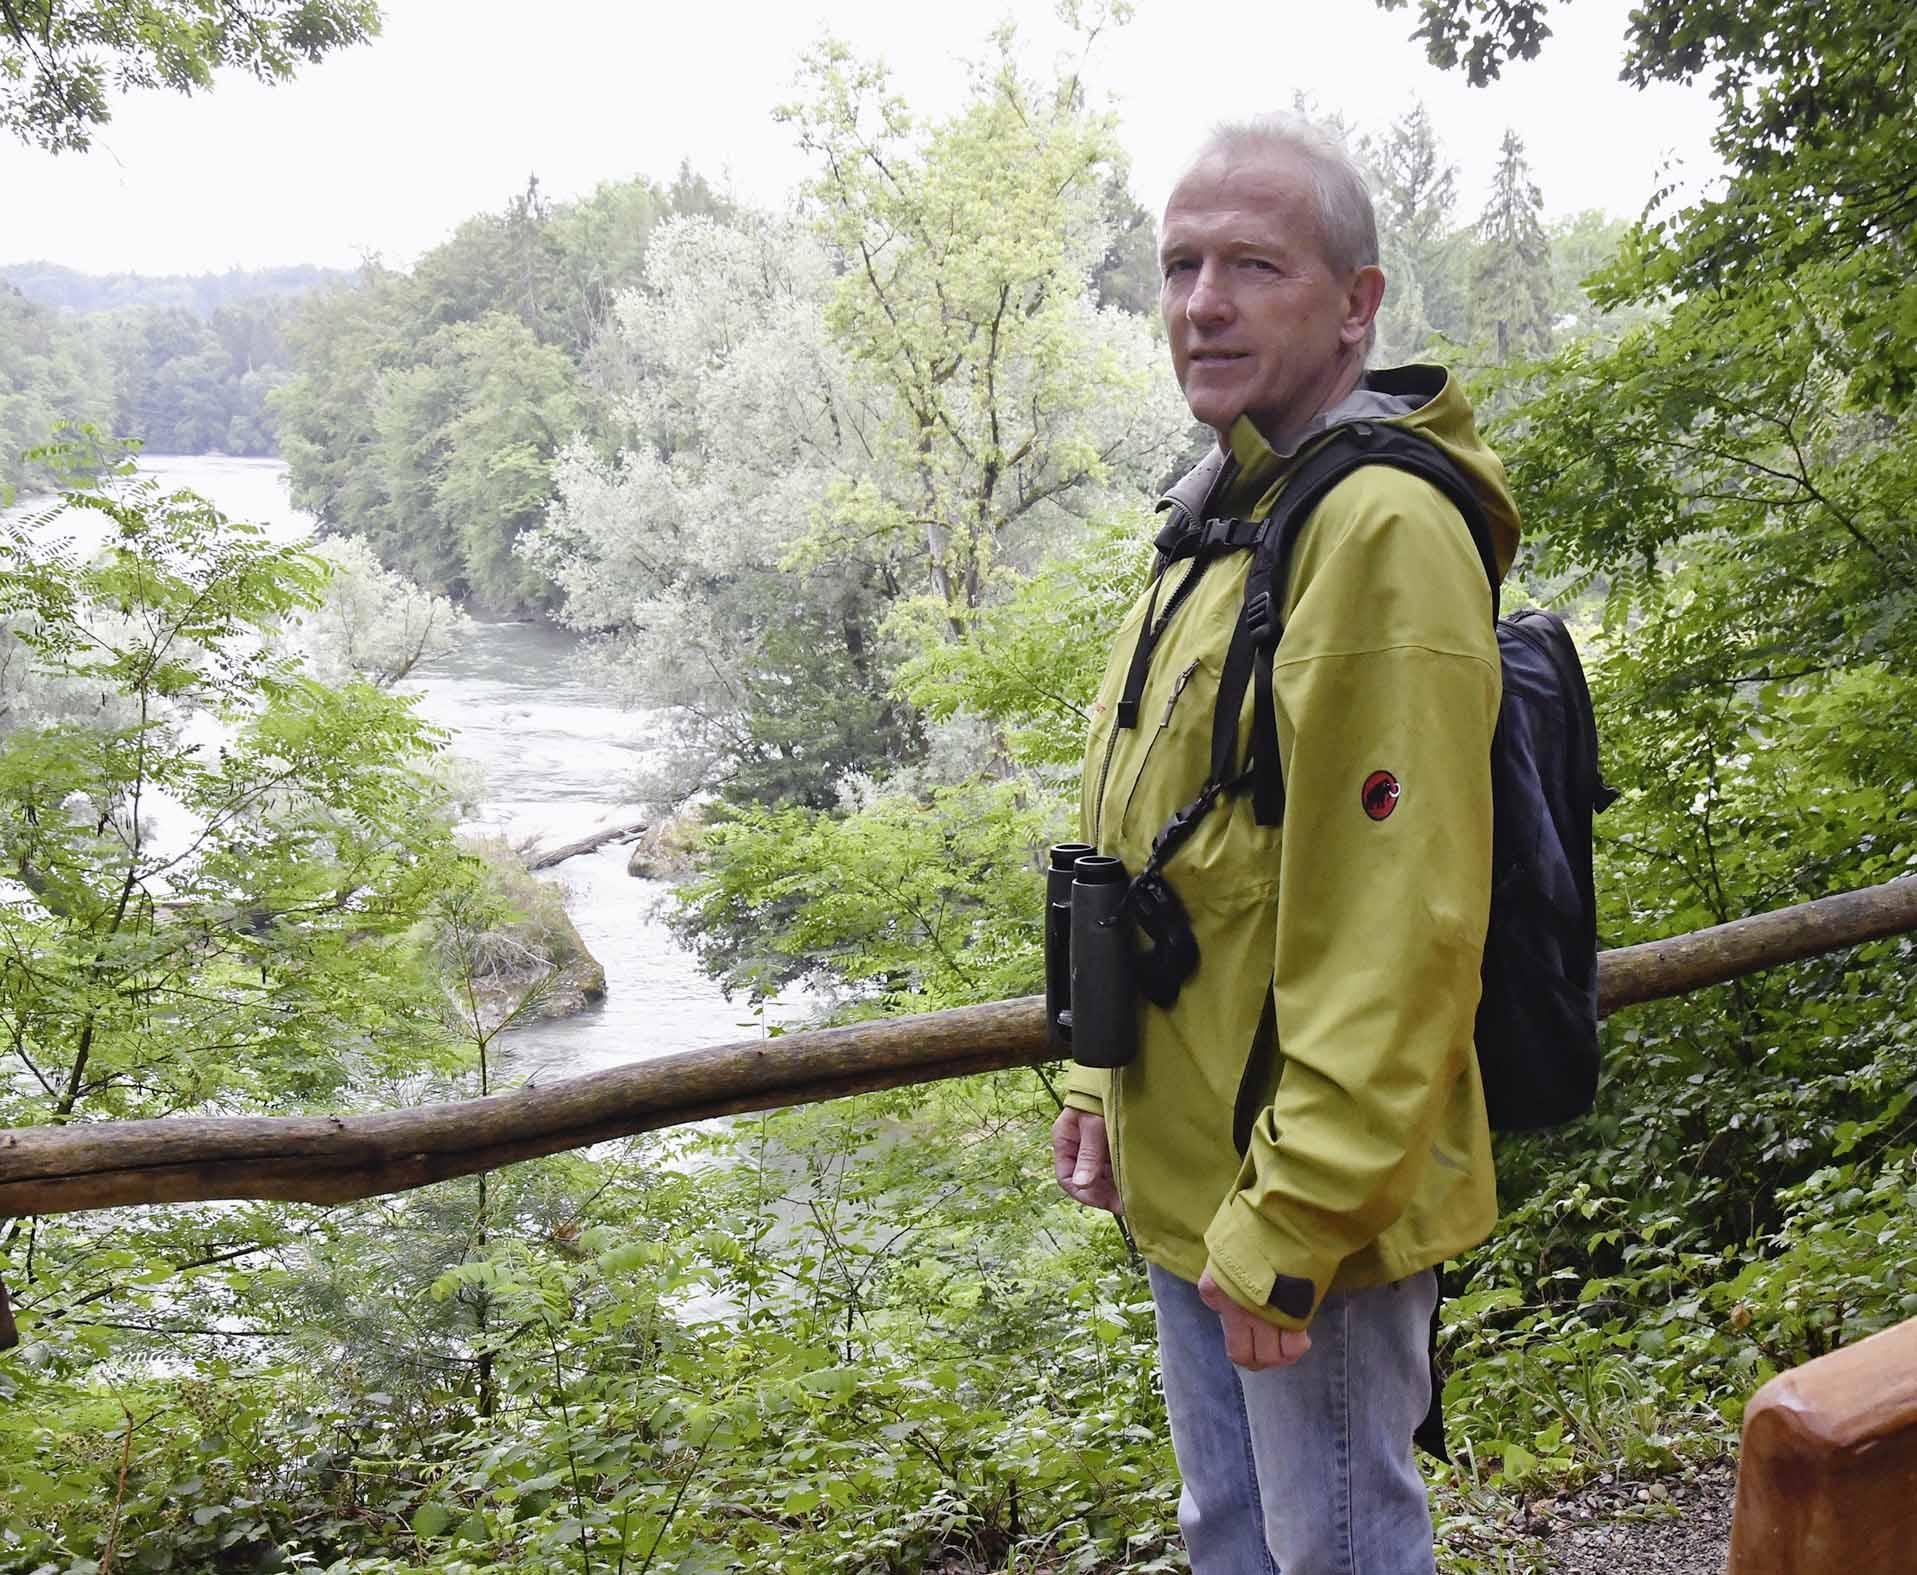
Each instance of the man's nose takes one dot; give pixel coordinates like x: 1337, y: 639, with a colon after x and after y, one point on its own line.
x: 1209, y: 303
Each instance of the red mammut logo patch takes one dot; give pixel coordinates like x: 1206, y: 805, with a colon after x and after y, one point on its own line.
x: 1379, y: 794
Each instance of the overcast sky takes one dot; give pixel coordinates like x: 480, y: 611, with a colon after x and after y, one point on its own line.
x: 385, y: 148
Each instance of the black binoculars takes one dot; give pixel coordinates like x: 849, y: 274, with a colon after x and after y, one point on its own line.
x: 1093, y: 971
x: 1089, y: 1009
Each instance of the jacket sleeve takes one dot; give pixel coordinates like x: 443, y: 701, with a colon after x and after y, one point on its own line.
x: 1085, y: 1088
x: 1386, y: 684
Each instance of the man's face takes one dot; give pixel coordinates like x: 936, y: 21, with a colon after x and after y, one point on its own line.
x: 1260, y: 323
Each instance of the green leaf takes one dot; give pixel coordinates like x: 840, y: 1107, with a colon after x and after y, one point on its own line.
x: 429, y: 1520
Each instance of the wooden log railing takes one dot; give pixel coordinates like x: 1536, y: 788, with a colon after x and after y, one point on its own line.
x: 332, y: 1159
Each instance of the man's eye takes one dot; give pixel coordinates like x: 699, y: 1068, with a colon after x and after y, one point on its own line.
x: 1178, y: 265
x: 1264, y: 263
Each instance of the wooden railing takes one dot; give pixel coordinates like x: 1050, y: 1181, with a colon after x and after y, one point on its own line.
x: 331, y: 1159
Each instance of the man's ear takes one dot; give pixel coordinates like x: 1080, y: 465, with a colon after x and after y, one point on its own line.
x: 1362, y: 301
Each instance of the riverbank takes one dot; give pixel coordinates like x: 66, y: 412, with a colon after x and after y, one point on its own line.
x: 544, y: 756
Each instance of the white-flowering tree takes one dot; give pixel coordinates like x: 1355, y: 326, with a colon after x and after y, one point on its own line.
x: 370, y: 623
x: 741, y: 414
x: 851, y: 429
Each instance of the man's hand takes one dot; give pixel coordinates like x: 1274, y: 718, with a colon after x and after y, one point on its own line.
x: 1082, y: 1161
x: 1249, y: 1341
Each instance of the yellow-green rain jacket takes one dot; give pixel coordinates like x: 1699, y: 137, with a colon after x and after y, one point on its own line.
x: 1368, y: 1155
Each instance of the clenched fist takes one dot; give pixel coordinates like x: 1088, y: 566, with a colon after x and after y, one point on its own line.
x: 1082, y: 1160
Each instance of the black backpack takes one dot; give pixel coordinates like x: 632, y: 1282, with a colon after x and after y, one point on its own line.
x: 1537, y: 1017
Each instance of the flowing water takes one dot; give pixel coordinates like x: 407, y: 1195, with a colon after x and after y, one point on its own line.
x: 556, y: 758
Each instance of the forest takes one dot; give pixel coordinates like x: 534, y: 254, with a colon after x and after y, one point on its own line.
x: 847, y: 499
x: 175, y: 365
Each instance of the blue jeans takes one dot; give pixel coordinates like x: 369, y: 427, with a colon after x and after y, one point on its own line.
x: 1307, y: 1469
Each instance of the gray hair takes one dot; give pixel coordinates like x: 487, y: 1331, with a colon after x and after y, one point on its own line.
x: 1347, y: 227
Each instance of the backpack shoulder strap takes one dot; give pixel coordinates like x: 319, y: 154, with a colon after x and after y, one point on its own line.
x: 1261, y: 623
x: 1185, y: 501
x: 1249, y: 657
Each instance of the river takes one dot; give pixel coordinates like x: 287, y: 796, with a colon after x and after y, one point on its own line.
x: 556, y: 758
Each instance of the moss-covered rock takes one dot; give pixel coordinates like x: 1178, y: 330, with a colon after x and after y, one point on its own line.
x: 664, y: 850
x: 530, y: 960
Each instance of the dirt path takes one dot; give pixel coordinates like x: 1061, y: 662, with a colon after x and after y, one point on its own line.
x: 1679, y: 1526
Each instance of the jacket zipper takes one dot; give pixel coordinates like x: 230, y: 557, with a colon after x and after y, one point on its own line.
x: 1164, y: 721
x: 1178, y: 689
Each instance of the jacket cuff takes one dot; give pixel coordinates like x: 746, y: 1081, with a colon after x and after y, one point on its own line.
x: 1085, y: 1088
x: 1262, y: 1269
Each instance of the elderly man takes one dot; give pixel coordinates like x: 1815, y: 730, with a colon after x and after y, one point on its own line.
x: 1301, y: 1137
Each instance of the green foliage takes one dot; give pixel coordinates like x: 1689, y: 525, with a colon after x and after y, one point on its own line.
x: 1030, y: 664
x: 165, y: 377
x: 187, y: 385
x: 966, y: 250
x: 870, y: 1335
x: 1512, y: 278
x: 425, y: 409
x: 57, y: 57
x: 911, y: 893
x: 1425, y: 254
x: 804, y: 1342
x: 1814, y: 102
x: 906, y: 900
x: 52, y: 372
x: 203, y: 294
x: 218, y: 860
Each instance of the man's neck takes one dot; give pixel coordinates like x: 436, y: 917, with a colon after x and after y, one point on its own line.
x: 1348, y: 377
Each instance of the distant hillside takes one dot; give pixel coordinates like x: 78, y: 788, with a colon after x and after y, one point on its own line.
x: 50, y: 284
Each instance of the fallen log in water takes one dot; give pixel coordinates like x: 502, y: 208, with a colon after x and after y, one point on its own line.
x: 331, y: 1159
x: 592, y: 844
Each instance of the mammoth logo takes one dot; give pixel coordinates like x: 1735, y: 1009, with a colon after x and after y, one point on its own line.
x: 1379, y: 794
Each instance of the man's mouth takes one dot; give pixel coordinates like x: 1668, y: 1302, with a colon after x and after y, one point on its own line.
x: 1218, y: 355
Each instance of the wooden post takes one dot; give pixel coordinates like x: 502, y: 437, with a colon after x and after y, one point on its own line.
x: 1827, y: 1484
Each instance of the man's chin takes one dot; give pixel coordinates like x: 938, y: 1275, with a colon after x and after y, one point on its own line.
x: 1218, y: 414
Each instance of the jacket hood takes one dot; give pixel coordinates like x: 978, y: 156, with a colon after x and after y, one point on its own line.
x: 1426, y: 399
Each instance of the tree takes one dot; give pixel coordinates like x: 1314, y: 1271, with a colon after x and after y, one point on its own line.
x: 370, y: 623
x: 425, y: 409
x: 1813, y: 129
x: 1511, y: 280
x: 742, y: 416
x: 51, y: 371
x: 1415, y: 189
x: 1127, y: 275
x: 1583, y: 246
x: 189, y: 922
x: 58, y: 56
x: 517, y: 402
x: 1010, y: 403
